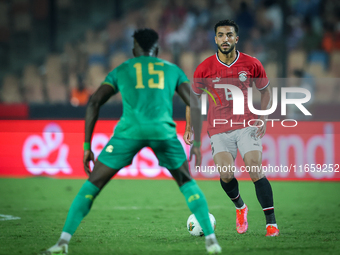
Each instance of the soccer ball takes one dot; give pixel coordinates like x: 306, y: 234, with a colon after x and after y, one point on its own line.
x: 194, y: 227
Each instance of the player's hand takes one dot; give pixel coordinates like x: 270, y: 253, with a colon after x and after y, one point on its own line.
x: 261, y: 130
x: 88, y: 157
x: 187, y: 137
x: 197, y: 152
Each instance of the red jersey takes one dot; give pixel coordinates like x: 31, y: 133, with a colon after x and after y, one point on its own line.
x: 243, y: 72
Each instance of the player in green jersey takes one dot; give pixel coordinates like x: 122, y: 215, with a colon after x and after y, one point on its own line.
x: 147, y: 85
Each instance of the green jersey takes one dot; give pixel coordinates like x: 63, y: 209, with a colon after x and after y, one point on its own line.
x: 147, y: 85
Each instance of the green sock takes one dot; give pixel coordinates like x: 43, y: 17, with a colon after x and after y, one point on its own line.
x: 80, y: 207
x: 198, y: 205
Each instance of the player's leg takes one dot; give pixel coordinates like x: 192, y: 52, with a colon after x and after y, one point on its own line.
x: 197, y: 204
x: 251, y: 150
x: 194, y: 196
x: 171, y: 155
x: 224, y: 153
x: 108, y: 164
x: 82, y: 204
x: 228, y: 181
x: 264, y: 193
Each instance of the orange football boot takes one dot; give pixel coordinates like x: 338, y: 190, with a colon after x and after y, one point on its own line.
x: 241, y: 220
x: 272, y: 231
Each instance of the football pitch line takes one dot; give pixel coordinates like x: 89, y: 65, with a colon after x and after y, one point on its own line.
x: 4, y: 217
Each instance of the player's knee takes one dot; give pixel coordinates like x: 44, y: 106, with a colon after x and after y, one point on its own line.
x: 181, y: 174
x: 256, y: 176
x: 252, y: 162
x: 183, y: 180
x: 226, y: 177
x: 253, y: 166
x: 97, y: 182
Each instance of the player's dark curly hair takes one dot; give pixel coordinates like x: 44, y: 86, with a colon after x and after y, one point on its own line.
x: 226, y: 22
x: 146, y: 38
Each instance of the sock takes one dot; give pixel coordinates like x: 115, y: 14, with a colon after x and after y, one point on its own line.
x: 64, y: 238
x: 198, y: 205
x: 80, y: 207
x: 211, y: 236
x: 264, y: 194
x: 274, y: 225
x: 231, y: 188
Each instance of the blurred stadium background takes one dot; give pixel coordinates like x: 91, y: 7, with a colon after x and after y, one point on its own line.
x: 55, y: 53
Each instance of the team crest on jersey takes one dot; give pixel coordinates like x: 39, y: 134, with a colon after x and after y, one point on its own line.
x: 242, y: 76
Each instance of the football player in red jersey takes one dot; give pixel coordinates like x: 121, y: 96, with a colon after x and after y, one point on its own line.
x: 229, y: 66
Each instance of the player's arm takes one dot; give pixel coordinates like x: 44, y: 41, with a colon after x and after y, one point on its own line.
x: 193, y: 119
x: 102, y: 94
x: 193, y: 112
x: 266, y: 103
x: 187, y: 134
x: 182, y: 91
x: 262, y: 84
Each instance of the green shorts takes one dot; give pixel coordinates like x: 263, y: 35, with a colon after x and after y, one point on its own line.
x: 119, y: 152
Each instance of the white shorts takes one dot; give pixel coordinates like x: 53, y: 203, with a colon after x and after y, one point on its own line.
x: 243, y: 139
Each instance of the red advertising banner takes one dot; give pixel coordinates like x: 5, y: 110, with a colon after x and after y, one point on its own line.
x: 309, y: 151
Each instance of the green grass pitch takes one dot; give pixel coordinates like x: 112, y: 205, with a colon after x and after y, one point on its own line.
x: 149, y: 217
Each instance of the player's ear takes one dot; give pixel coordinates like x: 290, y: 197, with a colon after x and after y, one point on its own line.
x: 215, y: 39
x: 156, y: 51
x: 236, y: 40
x: 133, y: 52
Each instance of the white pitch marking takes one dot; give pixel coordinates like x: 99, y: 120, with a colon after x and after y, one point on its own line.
x: 8, y: 217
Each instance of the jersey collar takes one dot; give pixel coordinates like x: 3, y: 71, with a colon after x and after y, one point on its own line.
x: 238, y: 55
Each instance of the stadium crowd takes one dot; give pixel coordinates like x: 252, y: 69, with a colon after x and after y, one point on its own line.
x: 312, y: 38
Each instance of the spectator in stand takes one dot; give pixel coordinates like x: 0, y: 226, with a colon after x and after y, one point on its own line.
x: 245, y: 19
x: 80, y: 94
x: 331, y: 36
x: 311, y: 40
x: 274, y: 17
x: 328, y: 38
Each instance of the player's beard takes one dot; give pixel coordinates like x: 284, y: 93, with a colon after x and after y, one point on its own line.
x: 232, y: 46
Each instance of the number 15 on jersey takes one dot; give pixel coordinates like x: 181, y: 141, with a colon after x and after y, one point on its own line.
x: 151, y: 71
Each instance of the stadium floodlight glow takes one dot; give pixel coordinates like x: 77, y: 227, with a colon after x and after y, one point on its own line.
x: 235, y: 94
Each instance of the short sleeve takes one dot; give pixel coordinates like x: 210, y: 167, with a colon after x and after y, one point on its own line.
x: 197, y: 84
x: 182, y: 78
x: 261, y: 80
x: 111, y: 79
